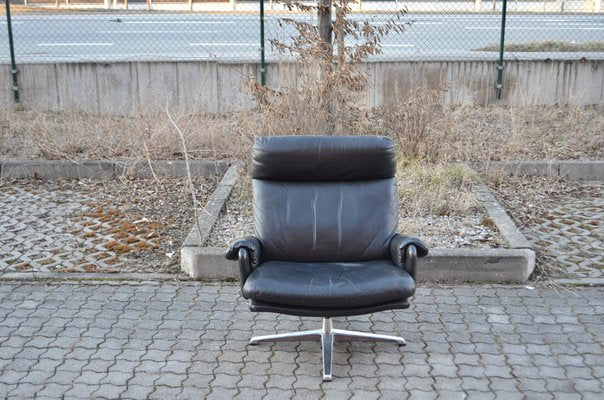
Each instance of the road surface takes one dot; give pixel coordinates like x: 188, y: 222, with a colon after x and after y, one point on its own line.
x: 133, y: 37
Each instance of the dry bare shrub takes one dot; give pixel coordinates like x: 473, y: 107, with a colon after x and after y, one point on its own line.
x: 326, y: 95
x: 430, y: 131
x: 528, y: 132
x: 410, y: 122
x: 426, y: 128
x: 78, y: 135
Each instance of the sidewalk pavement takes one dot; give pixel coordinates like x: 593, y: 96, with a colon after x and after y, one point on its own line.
x: 189, y: 340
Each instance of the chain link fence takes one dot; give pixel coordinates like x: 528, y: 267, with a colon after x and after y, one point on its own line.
x: 152, y: 30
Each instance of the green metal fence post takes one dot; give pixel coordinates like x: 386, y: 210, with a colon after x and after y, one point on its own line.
x: 499, y: 84
x: 262, y: 61
x: 13, y: 65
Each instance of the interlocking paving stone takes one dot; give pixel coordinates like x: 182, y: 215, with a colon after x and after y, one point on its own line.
x: 571, y: 233
x: 46, y: 231
x: 86, y: 226
x: 106, y: 359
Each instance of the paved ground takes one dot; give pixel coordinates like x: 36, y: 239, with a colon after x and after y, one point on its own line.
x: 92, y: 226
x: 47, y: 231
x: 571, y: 234
x: 190, y: 341
x: 564, y: 222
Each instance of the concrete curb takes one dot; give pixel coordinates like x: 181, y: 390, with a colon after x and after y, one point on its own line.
x: 99, y: 169
x: 102, y: 169
x: 207, y: 263
x: 56, y: 169
x: 504, y: 223
x: 579, y: 281
x: 125, y: 276
x: 146, y: 168
x: 489, y: 265
x: 194, y: 259
x: 575, y: 170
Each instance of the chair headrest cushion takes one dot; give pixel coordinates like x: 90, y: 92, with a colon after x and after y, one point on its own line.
x: 323, y: 158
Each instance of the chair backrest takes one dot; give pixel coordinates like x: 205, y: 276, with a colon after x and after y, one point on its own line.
x: 324, y: 198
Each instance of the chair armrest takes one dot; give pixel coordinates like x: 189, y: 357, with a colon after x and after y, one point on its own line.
x: 251, y: 243
x: 405, y: 250
x: 247, y: 251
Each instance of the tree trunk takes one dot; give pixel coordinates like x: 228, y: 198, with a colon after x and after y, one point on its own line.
x: 324, y: 17
x: 339, y: 28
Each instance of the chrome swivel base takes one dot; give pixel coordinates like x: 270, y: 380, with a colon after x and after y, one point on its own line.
x: 327, y: 335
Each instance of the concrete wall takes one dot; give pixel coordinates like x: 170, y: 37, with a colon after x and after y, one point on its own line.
x: 131, y: 87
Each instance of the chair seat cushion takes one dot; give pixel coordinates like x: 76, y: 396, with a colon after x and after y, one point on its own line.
x: 343, y: 284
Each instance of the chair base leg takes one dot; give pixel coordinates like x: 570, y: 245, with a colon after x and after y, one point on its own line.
x: 327, y: 335
x: 367, y: 337
x: 287, y: 337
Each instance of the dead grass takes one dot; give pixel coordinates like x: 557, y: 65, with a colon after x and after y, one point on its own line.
x: 549, y: 46
x: 422, y: 127
x: 435, y: 189
x: 425, y: 128
x: 430, y: 138
x: 76, y: 135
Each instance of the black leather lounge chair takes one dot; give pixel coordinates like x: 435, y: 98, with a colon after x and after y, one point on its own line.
x: 325, y: 212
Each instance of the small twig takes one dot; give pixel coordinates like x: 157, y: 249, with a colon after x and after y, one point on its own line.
x: 148, y: 157
x: 183, y: 144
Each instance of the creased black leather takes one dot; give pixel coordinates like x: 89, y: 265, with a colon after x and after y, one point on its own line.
x: 398, y: 245
x: 325, y: 221
x: 252, y: 244
x: 328, y: 285
x: 325, y: 211
x: 323, y: 158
